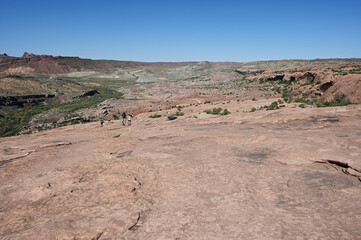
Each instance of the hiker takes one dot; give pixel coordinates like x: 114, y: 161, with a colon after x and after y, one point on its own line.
x: 101, y: 122
x: 129, y: 120
x: 124, y: 115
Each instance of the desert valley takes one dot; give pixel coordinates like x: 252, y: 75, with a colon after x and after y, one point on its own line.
x: 216, y: 150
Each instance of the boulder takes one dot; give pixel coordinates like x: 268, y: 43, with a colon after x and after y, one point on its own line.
x: 172, y: 117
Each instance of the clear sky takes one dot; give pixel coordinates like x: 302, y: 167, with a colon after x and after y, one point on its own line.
x: 182, y: 30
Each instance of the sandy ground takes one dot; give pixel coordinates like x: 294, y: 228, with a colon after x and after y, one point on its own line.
x: 285, y: 174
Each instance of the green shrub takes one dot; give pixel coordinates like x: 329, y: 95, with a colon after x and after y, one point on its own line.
x: 273, y: 106
x: 333, y: 103
x: 302, y: 105
x: 286, y: 95
x: 239, y: 72
x: 225, y: 112
x: 278, y: 90
x: 217, y: 111
x: 299, y: 100
x: 155, y: 116
x: 253, y: 110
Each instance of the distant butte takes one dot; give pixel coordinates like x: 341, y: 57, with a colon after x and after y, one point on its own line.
x: 31, y: 55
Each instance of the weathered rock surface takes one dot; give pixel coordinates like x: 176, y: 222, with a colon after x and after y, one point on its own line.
x: 32, y: 55
x: 283, y: 174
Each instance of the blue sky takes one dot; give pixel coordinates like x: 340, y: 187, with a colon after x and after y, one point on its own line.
x: 224, y: 30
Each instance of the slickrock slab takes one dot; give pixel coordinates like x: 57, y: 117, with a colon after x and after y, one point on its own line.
x: 285, y: 174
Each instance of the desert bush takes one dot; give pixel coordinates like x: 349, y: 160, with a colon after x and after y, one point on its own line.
x: 239, y: 72
x: 333, y: 103
x: 155, y: 116
x: 225, y: 112
x: 217, y: 111
x: 273, y: 106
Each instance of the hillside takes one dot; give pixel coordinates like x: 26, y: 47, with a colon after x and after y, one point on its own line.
x: 34, y: 65
x: 140, y: 87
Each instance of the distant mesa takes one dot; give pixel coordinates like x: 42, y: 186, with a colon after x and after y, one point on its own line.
x: 32, y: 55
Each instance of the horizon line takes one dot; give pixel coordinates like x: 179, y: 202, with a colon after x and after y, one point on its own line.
x: 190, y: 61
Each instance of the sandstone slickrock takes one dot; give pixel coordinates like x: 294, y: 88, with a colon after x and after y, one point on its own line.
x: 260, y: 175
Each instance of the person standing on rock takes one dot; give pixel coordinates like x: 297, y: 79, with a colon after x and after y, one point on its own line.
x: 129, y: 120
x: 124, y: 115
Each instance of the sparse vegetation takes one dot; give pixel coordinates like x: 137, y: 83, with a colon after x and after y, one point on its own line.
x: 334, y: 103
x: 240, y: 72
x: 275, y: 79
x: 19, y: 121
x: 155, y: 116
x: 273, y: 106
x: 217, y: 111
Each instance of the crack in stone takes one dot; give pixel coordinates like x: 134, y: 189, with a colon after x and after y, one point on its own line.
x: 15, y: 158
x: 345, y: 167
x: 133, y: 227
x: 97, y: 236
